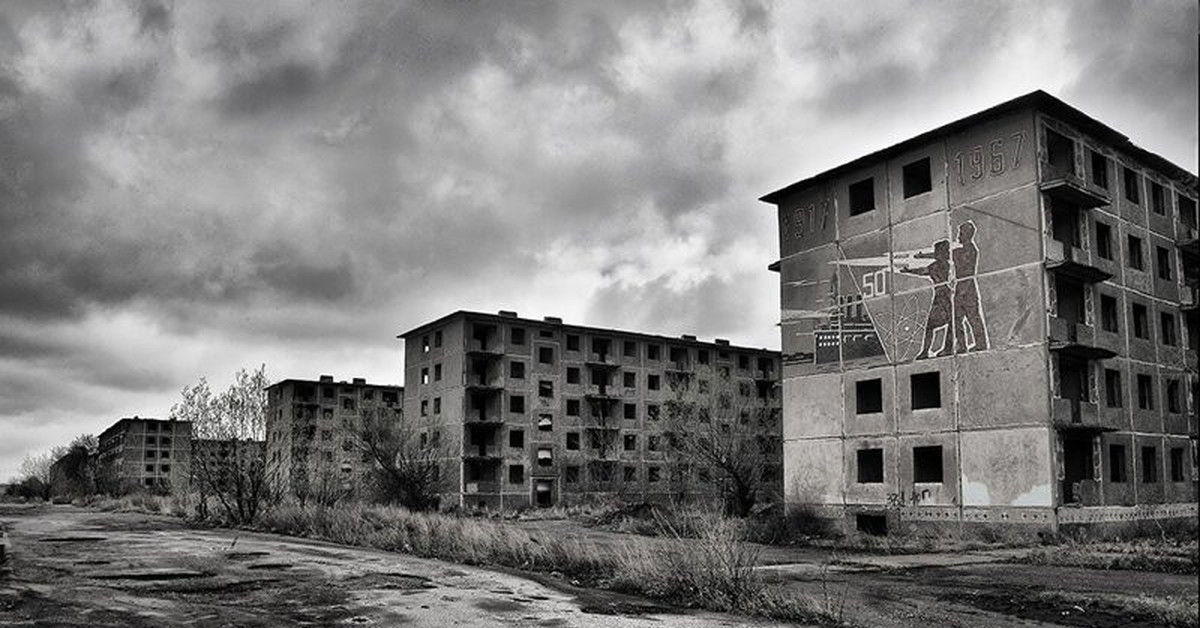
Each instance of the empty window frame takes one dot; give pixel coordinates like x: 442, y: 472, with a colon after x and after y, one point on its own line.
x: 546, y: 389
x: 629, y: 442
x: 572, y: 375
x: 1132, y: 185
x: 1162, y: 263
x: 437, y: 374
x: 629, y: 379
x: 927, y: 464
x: 546, y: 355
x: 1166, y: 325
x: 1117, y: 465
x: 1145, y: 391
x: 870, y: 466
x: 573, y: 441
x: 629, y: 349
x: 516, y: 438
x: 1177, y: 464
x: 917, y: 178
x: 571, y: 475
x: 1109, y: 317
x: 1149, y: 465
x: 629, y: 474
x: 926, y: 389
x: 868, y: 395
x: 1060, y: 152
x: 1099, y: 169
x: 572, y: 342
x: 545, y: 422
x: 517, y: 336
x: 862, y: 196
x: 631, y: 411
x: 1173, y: 397
x: 1187, y: 209
x: 1104, y: 241
x: 1141, y: 321
x: 516, y: 403
x: 653, y: 382
x: 516, y: 370
x: 1158, y: 199
x: 1134, y: 253
x: 516, y: 474
x: 652, y: 352
x: 572, y: 407
x: 1112, y: 388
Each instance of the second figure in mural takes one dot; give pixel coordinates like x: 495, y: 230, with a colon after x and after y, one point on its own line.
x: 970, y: 332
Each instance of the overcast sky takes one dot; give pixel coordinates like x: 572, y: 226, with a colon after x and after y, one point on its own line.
x: 193, y: 187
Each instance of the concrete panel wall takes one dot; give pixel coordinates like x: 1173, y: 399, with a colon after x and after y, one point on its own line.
x: 1009, y: 467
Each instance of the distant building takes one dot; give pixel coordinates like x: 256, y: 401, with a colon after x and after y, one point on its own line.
x: 993, y: 322
x: 311, y: 426
x: 535, y: 412
x: 143, y: 452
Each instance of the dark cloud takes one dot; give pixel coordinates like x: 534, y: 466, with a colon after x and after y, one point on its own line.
x: 299, y: 182
x: 281, y: 87
x: 155, y: 17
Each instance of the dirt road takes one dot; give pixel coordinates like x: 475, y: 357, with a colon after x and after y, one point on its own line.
x: 74, y: 567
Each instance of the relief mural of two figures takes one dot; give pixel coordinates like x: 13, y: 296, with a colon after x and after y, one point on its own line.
x: 954, y: 315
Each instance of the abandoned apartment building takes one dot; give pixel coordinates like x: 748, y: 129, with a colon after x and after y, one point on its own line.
x: 533, y: 412
x: 311, y: 429
x: 145, y: 453
x: 993, y: 322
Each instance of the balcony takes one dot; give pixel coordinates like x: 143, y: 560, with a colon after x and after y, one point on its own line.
x: 1187, y: 238
x: 1068, y: 188
x: 1077, y: 340
x: 475, y: 383
x: 475, y: 488
x: 1077, y: 414
x: 1073, y: 262
x: 490, y: 350
x: 1188, y: 298
x: 482, y: 418
x: 602, y: 393
x: 601, y: 361
x: 476, y: 453
x: 763, y: 375
x: 1081, y: 493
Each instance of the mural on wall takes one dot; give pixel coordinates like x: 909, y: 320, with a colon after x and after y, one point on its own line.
x: 849, y: 309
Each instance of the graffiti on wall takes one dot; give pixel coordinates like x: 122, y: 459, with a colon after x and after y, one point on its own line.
x: 852, y: 315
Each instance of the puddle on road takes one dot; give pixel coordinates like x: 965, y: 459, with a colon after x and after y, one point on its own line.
x: 390, y: 582
x: 621, y: 607
x: 71, y: 539
x: 245, y: 555
x: 151, y: 576
x: 270, y: 566
x: 93, y: 562
x: 496, y: 605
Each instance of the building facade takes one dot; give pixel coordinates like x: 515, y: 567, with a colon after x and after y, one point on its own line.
x: 311, y: 427
x: 992, y: 323
x: 144, y: 453
x: 528, y: 412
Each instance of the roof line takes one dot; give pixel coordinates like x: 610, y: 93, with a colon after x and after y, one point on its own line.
x: 1038, y: 100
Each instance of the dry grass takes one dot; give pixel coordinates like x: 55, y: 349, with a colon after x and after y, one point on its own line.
x: 697, y: 559
x: 1163, y: 611
x: 714, y: 570
x: 1164, y: 555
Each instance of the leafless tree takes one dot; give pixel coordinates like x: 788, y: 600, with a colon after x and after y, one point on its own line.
x: 35, y: 473
x: 720, y: 425
x: 404, y: 464
x: 228, y: 459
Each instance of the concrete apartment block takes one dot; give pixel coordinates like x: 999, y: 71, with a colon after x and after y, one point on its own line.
x: 145, y: 453
x: 310, y: 427
x: 992, y: 323
x: 536, y: 412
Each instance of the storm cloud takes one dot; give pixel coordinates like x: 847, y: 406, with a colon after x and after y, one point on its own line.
x: 188, y: 188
